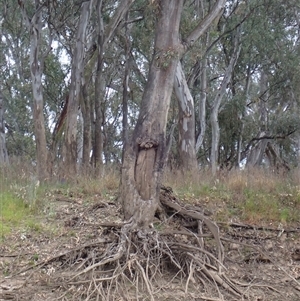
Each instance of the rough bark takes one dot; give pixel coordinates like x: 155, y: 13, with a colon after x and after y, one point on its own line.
x: 74, y: 94
x: 216, y: 105
x: 36, y: 59
x: 144, y: 156
x: 186, y: 121
x: 3, y: 149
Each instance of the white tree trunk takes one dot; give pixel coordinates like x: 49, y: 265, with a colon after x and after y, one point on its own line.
x: 202, y: 104
x: 3, y: 150
x: 35, y: 26
x: 74, y: 95
x: 186, y: 120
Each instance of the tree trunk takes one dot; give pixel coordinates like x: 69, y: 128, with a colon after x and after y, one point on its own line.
x: 186, y: 121
x: 127, y: 50
x: 35, y: 26
x: 104, y: 36
x: 144, y: 156
x: 242, y: 117
x: 3, y: 150
x: 74, y: 94
x: 99, y: 95
x: 216, y: 105
x: 257, y: 152
x: 202, y: 104
x: 87, y: 131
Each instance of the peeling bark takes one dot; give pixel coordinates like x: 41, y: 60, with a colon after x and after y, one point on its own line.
x: 36, y: 59
x: 70, y: 153
x: 186, y: 120
x: 202, y: 104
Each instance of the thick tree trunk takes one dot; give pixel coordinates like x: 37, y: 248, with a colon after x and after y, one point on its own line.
x: 186, y: 121
x: 144, y: 157
x: 3, y: 149
x: 76, y: 77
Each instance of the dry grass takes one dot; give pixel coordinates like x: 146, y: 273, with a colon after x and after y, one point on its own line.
x: 254, y: 196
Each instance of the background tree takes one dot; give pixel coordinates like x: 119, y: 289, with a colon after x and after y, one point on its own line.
x: 3, y: 150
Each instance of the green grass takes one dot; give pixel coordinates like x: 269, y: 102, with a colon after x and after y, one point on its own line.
x: 14, y: 213
x: 255, y: 196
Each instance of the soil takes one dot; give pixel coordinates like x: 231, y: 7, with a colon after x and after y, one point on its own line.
x: 263, y: 261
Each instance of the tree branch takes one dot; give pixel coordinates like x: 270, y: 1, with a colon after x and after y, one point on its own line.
x: 204, y: 24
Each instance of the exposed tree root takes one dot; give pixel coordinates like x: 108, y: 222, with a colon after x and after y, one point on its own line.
x: 167, y: 262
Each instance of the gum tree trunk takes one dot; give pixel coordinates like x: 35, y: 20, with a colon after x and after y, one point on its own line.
x: 3, y: 150
x: 70, y: 144
x: 104, y: 35
x: 144, y: 156
x: 214, y: 118
x: 36, y: 58
x: 186, y: 121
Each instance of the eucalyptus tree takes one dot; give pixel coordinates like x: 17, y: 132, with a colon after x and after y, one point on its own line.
x: 3, y: 149
x: 70, y: 164
x: 144, y: 156
x: 105, y: 33
x: 33, y: 17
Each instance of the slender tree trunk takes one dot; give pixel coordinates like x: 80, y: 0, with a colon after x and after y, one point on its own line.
x: 144, y: 156
x: 202, y: 104
x: 87, y: 124
x: 74, y: 95
x: 186, y: 121
x: 104, y: 36
x: 127, y: 49
x: 216, y: 105
x: 99, y: 95
x: 257, y: 151
x: 240, y: 139
x: 3, y: 149
x: 36, y: 70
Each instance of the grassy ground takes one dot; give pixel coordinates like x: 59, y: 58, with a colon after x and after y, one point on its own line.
x: 256, y: 196
x: 40, y: 222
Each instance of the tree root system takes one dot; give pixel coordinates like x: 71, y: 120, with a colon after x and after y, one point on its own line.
x: 181, y: 257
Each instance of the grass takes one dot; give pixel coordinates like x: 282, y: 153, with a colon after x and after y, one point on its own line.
x: 252, y: 196
x: 14, y: 213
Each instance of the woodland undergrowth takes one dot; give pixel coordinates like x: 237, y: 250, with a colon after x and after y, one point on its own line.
x: 181, y: 257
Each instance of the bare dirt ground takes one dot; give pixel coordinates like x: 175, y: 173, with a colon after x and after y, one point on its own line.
x: 35, y: 264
